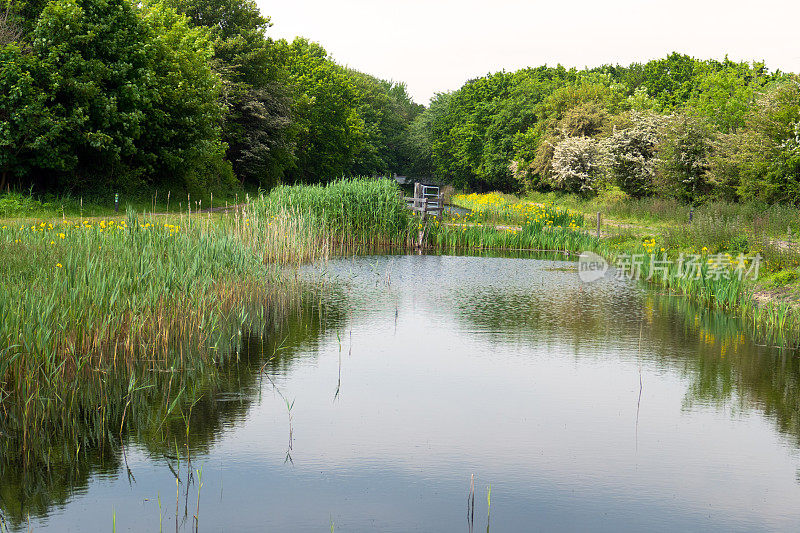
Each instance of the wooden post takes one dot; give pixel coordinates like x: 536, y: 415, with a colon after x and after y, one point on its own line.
x: 598, y: 224
x: 691, y: 214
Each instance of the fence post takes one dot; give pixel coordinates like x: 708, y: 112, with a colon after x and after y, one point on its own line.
x: 691, y: 214
x: 598, y: 224
x: 116, y: 202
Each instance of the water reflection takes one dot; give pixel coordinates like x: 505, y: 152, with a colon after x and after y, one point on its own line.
x: 598, y: 406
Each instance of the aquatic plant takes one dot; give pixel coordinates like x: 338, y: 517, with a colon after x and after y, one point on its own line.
x: 95, y: 311
x: 347, y: 216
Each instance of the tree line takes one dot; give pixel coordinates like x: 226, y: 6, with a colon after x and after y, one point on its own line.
x: 194, y: 94
x: 679, y: 127
x: 191, y: 94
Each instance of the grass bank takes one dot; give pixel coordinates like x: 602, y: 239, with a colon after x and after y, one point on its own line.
x: 718, y: 246
x: 29, y: 205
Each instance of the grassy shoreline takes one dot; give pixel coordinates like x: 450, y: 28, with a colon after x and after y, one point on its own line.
x: 717, y: 235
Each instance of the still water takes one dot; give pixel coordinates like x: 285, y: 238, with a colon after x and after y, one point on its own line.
x: 596, y: 406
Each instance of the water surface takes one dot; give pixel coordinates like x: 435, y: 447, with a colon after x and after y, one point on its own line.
x: 584, y: 406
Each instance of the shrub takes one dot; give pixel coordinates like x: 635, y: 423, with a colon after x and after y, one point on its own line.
x: 577, y: 165
x: 630, y: 154
x: 682, y: 162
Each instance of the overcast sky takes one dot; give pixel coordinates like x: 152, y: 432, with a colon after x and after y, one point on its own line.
x: 437, y: 45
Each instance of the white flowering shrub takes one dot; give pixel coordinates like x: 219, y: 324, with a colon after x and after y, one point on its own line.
x: 577, y: 165
x: 631, y: 153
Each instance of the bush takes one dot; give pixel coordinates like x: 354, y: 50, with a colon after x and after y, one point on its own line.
x: 682, y: 164
x: 630, y: 154
x: 577, y: 165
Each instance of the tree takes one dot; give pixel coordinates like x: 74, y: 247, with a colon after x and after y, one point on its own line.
x: 330, y: 129
x: 28, y: 132
x: 577, y: 165
x: 724, y: 97
x: 127, y: 96
x: 631, y: 150
x: 257, y: 126
x: 671, y: 80
x: 683, y: 152
x: 760, y: 160
x: 581, y: 110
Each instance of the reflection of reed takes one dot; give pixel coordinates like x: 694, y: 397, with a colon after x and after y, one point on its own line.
x: 717, y: 351
x: 725, y: 364
x: 639, y: 364
x: 214, y: 397
x: 471, y: 503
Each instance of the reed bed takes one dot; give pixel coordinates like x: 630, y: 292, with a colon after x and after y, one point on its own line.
x: 100, y: 316
x: 531, y: 237
x: 302, y: 223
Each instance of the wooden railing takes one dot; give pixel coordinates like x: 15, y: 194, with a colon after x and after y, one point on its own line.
x: 427, y: 199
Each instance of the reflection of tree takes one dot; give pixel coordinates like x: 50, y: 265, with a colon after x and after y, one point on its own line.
x: 207, y: 398
x: 725, y: 365
x: 713, y: 350
x: 565, y: 312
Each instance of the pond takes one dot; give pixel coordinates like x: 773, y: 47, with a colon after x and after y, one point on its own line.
x: 598, y: 406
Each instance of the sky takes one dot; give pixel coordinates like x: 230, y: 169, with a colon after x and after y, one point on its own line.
x: 437, y: 45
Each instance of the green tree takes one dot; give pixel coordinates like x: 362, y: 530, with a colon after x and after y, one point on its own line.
x: 129, y: 95
x: 631, y: 152
x: 579, y: 110
x: 683, y: 158
x: 330, y: 129
x: 28, y: 132
x: 725, y: 96
x: 257, y: 126
x: 760, y: 161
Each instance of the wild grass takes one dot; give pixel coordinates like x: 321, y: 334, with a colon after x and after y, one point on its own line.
x: 29, y: 205
x: 772, y: 220
x: 95, y: 315
x: 308, y: 222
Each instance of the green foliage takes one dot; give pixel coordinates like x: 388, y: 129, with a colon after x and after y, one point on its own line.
x: 111, y: 95
x: 257, y: 126
x: 724, y: 97
x: 683, y: 151
x: 763, y: 160
x: 28, y: 128
x: 698, y: 129
x: 102, y: 94
x: 347, y: 122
